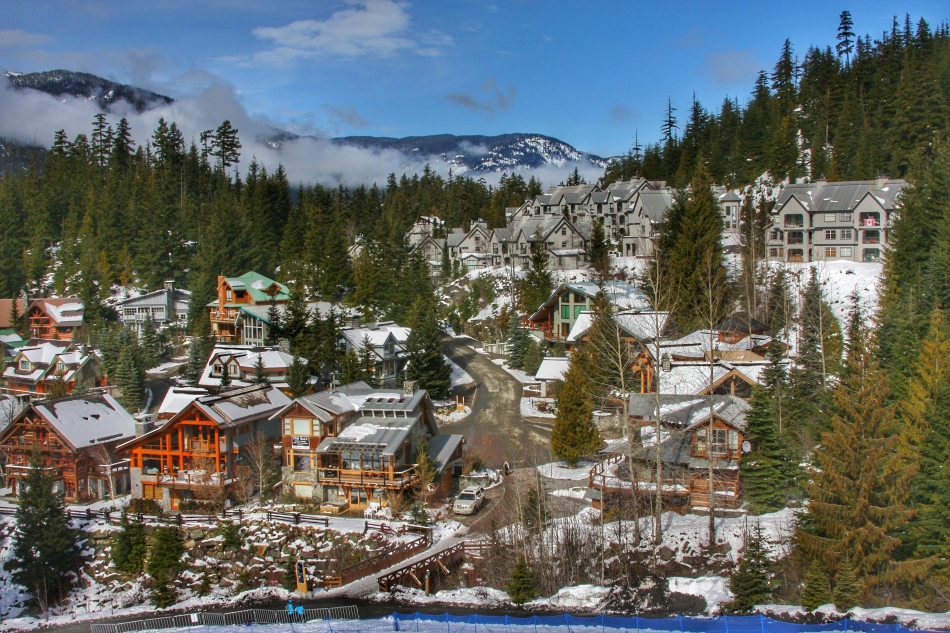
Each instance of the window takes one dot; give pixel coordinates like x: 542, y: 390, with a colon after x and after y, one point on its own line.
x: 846, y: 251
x: 844, y: 217
x: 565, y: 312
x: 775, y: 234
x: 150, y: 491
x: 794, y: 220
x: 796, y: 255
x: 301, y: 463
x: 564, y: 230
x: 300, y: 427
x: 304, y: 491
x: 872, y: 254
x: 719, y: 441
x: 563, y: 244
x: 796, y: 237
x: 776, y: 252
x: 217, y: 370
x: 831, y: 252
x: 566, y: 297
x: 228, y: 295
x: 60, y: 366
x: 578, y: 310
x: 846, y: 234
x: 579, y: 298
x: 24, y: 365
x: 830, y: 217
x: 869, y: 219
x: 831, y: 235
x: 872, y: 237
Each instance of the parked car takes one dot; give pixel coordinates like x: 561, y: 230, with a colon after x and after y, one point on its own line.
x: 469, y: 500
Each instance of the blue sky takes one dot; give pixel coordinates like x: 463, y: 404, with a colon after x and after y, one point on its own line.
x: 589, y: 73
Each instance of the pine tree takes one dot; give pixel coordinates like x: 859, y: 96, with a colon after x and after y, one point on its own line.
x: 845, y: 45
x: 574, y: 434
x: 424, y: 351
x: 193, y: 368
x: 599, y: 255
x: 751, y: 583
x: 815, y: 592
x: 764, y: 480
x: 275, y: 330
x: 518, y: 341
x: 847, y: 593
x: 260, y: 373
x: 446, y: 264
x: 129, y: 379
x: 859, y: 488
x: 298, y: 378
x: 150, y: 344
x: 44, y: 554
x: 521, y: 589
x: 536, y: 287
x: 130, y: 546
x: 225, y: 373
x: 367, y: 360
x: 164, y: 565
x: 351, y: 370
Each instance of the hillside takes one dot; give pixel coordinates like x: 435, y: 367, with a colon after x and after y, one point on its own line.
x: 103, y: 91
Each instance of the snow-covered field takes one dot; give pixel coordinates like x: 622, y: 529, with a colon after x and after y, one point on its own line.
x: 560, y: 470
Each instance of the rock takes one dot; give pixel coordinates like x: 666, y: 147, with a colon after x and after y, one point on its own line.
x: 665, y: 553
x: 190, y: 543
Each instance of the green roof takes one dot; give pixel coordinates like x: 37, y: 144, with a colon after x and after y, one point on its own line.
x: 255, y: 284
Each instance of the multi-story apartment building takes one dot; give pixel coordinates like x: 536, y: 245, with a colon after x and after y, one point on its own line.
x: 166, y: 307
x: 824, y: 221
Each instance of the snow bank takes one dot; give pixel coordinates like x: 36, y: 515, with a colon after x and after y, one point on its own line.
x: 560, y: 470
x: 460, y: 377
x: 529, y: 408
x: 715, y: 589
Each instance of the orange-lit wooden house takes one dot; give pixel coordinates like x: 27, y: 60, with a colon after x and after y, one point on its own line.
x: 235, y: 293
x: 55, y: 318
x: 197, y: 453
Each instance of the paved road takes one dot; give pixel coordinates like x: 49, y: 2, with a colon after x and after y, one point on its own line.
x: 495, y: 427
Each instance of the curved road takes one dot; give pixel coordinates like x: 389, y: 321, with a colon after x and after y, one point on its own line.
x: 495, y: 428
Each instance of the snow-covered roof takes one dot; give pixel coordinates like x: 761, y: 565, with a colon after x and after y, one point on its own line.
x: 88, y: 420
x: 553, y: 368
x: 640, y: 325
x: 844, y: 196
x: 63, y: 312
x: 687, y: 412
x: 177, y: 398
x: 693, y: 378
x: 241, y: 405
x: 245, y: 358
x: 388, y: 434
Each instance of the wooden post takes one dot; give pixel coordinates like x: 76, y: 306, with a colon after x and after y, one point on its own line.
x: 427, y: 582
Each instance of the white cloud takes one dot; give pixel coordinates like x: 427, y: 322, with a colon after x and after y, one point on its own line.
x: 29, y: 115
x: 367, y: 28
x: 16, y: 38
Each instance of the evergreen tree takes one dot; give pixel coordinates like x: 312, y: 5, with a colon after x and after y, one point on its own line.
x: 275, y: 330
x: 44, y: 553
x: 574, y: 434
x: 298, y: 378
x: 260, y: 373
x: 446, y: 265
x: 751, y: 583
x: 191, y: 371
x: 351, y: 370
x: 815, y: 592
x: 845, y: 45
x: 763, y: 469
x: 367, y: 359
x: 537, y: 286
x: 859, y: 488
x: 599, y: 256
x: 225, y: 373
x: 847, y: 593
x: 164, y: 565
x: 518, y: 341
x: 130, y: 546
x: 424, y: 351
x: 426, y: 470
x: 129, y: 379
x: 150, y: 344
x: 521, y: 589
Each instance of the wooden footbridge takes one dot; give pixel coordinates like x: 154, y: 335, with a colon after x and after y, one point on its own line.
x: 439, y: 562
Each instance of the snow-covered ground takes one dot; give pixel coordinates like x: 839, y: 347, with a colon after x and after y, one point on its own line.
x: 164, y: 368
x: 529, y: 408
x: 518, y: 374
x: 839, y: 280
x: 455, y: 416
x: 460, y: 377
x: 560, y: 470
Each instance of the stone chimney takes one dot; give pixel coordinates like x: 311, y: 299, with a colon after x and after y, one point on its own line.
x: 143, y: 424
x: 409, y: 387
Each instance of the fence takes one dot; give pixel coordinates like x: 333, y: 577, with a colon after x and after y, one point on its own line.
x: 239, y: 618
x: 297, y: 518
x: 576, y: 624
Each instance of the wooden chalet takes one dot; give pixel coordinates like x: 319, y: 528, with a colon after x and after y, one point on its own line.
x: 197, y: 453
x: 685, y: 451
x: 38, y: 364
x: 557, y: 316
x: 352, y: 446
x: 55, y: 318
x: 234, y: 293
x: 77, y: 437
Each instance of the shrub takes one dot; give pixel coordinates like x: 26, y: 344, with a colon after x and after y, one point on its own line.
x: 130, y: 547
x: 419, y: 514
x: 197, y: 506
x: 164, y: 565
x: 232, y: 536
x: 144, y: 506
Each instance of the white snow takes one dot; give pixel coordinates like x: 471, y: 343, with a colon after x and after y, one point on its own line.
x: 560, y: 470
x: 529, y: 408
x: 715, y: 589
x: 460, y: 377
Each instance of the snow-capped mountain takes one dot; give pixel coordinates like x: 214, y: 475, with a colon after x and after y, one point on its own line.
x: 102, y: 91
x: 506, y: 152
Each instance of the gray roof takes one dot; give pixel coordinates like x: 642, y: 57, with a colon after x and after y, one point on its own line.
x: 237, y: 406
x: 730, y: 196
x: 821, y: 196
x: 655, y: 204
x: 181, y: 296
x: 383, y: 436
x: 88, y: 420
x: 687, y: 412
x: 442, y: 447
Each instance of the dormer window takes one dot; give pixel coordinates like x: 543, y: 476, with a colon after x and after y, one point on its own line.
x: 217, y: 370
x: 60, y: 366
x: 24, y: 365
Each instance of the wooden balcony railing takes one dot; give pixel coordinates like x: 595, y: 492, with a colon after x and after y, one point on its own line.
x: 718, y: 451
x: 382, y: 478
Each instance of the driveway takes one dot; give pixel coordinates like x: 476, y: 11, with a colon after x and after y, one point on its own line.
x: 495, y: 429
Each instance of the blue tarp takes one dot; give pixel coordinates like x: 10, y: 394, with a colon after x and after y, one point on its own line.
x: 445, y: 623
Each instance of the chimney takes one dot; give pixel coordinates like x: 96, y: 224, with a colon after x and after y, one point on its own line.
x: 409, y: 387
x: 170, y: 316
x: 143, y: 424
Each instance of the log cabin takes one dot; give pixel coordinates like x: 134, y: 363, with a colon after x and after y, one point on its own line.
x: 55, y: 318
x: 77, y: 438
x: 234, y: 293
x: 196, y: 454
x: 685, y: 451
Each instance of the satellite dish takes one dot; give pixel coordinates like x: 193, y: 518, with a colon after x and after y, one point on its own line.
x: 747, y: 446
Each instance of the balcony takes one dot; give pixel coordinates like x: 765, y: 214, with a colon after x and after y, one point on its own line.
x: 719, y: 451
x: 190, y: 478
x: 224, y: 315
x: 379, y: 478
